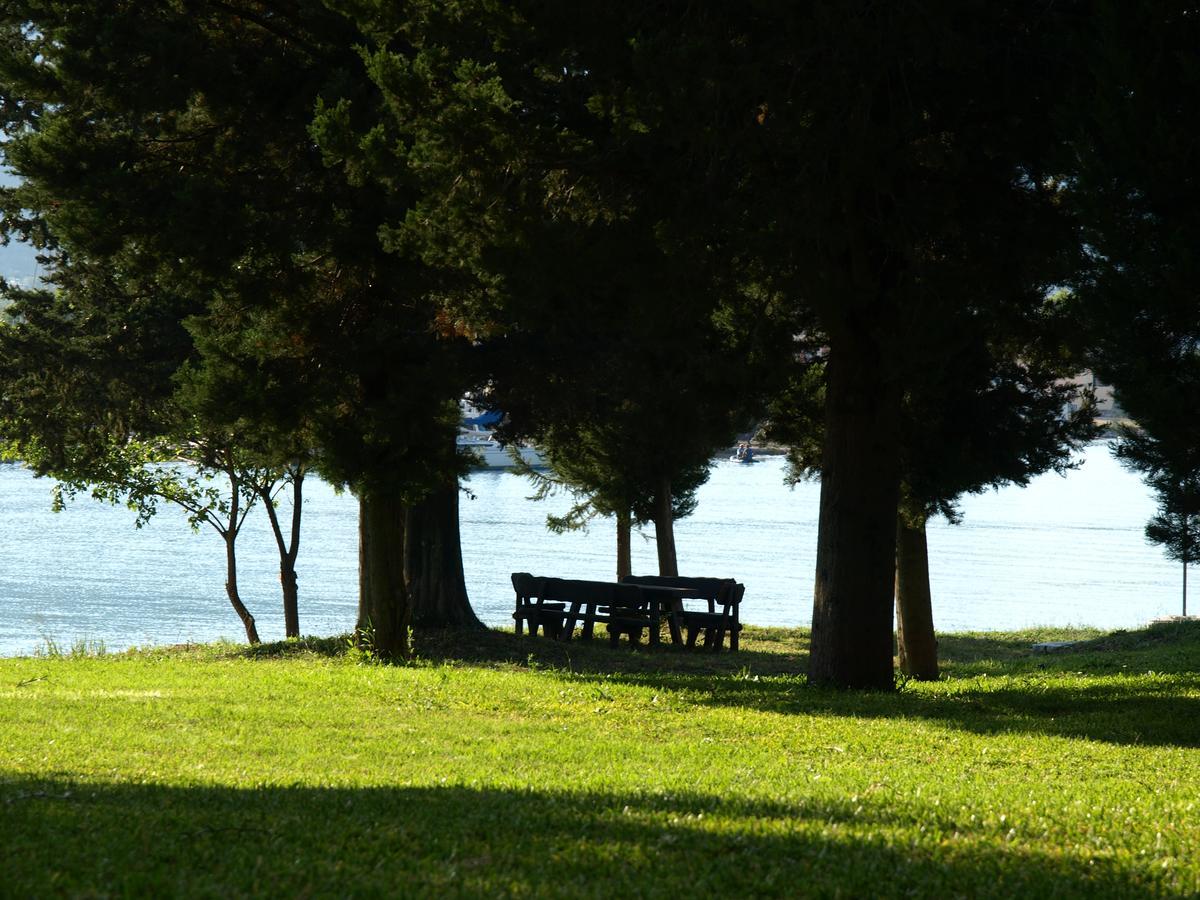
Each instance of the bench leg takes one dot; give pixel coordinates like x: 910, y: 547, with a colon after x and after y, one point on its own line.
x: 615, y: 631
x: 673, y: 622
x: 589, y: 621
x: 569, y: 620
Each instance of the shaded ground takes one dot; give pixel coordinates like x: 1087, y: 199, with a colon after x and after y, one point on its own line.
x: 498, y: 765
x: 459, y: 841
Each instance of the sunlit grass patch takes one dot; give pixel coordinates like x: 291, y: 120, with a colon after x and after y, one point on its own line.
x: 497, y: 765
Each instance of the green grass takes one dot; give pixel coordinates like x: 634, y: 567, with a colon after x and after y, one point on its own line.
x: 499, y: 766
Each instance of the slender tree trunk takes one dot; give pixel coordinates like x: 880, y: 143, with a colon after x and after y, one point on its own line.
x: 231, y: 580
x: 664, y: 530
x: 914, y: 603
x: 289, y: 583
x: 433, y: 563
x: 856, y: 540
x: 288, y: 552
x: 384, y: 609
x: 624, y: 548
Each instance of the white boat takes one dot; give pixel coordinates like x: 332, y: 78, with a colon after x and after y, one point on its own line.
x: 744, y: 455
x: 475, y: 435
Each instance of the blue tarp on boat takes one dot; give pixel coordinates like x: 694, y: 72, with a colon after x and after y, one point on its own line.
x: 485, y: 419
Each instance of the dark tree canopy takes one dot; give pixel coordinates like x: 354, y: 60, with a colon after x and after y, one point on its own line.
x: 171, y: 148
x: 625, y: 219
x: 553, y: 205
x: 902, y: 183
x: 1138, y: 198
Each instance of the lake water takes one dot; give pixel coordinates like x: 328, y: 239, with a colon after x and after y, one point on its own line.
x: 1064, y: 551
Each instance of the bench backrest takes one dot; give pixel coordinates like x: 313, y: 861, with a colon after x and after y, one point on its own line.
x: 572, y: 590
x: 527, y: 587
x: 717, y: 590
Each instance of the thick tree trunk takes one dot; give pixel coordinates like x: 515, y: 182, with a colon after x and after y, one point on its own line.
x: 433, y: 563
x: 384, y: 610
x: 624, y: 547
x: 856, y: 540
x: 664, y: 530
x: 914, y: 603
x: 288, y: 551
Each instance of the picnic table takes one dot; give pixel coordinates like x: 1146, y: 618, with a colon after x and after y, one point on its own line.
x: 723, y: 597
x: 558, y: 605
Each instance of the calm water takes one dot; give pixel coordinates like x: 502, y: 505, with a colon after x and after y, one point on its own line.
x: 1064, y: 551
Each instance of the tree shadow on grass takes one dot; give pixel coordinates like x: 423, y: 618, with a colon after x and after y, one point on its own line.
x: 768, y: 675
x: 65, y: 837
x: 775, y: 652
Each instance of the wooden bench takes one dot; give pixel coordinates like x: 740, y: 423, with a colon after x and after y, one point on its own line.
x: 559, y: 604
x: 532, y: 608
x: 723, y: 596
x: 621, y: 607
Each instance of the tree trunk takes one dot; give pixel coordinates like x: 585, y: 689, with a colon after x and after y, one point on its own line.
x: 384, y: 610
x: 288, y: 551
x: 664, y: 530
x: 856, y: 539
x: 231, y: 582
x: 1187, y: 533
x: 914, y: 603
x: 289, y: 582
x: 433, y: 563
x: 624, y: 548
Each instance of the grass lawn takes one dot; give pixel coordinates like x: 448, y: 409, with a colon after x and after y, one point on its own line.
x: 518, y: 767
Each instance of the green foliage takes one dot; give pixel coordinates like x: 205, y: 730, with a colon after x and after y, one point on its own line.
x: 81, y: 648
x: 593, y: 465
x: 166, y: 157
x: 1068, y: 774
x: 995, y: 414
x: 1136, y: 196
x: 536, y: 192
x: 1173, y: 472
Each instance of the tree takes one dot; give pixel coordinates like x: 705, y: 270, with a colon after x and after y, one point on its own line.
x: 539, y: 200
x: 1137, y: 192
x: 84, y: 403
x: 906, y: 176
x: 594, y: 465
x: 181, y: 136
x: 993, y: 415
x: 996, y: 416
x: 853, y: 164
x: 1172, y: 469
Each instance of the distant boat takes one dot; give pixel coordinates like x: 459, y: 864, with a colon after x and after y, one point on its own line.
x: 475, y: 435
x: 744, y: 455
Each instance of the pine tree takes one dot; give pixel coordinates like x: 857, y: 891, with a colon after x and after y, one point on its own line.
x: 179, y: 139
x: 598, y: 313
x: 1172, y: 470
x: 1137, y: 195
